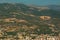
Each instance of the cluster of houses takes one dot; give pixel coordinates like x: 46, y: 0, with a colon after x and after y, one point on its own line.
x: 37, y: 37
x: 45, y: 37
x: 20, y: 36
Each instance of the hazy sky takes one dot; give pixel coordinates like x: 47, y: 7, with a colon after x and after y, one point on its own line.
x: 34, y: 2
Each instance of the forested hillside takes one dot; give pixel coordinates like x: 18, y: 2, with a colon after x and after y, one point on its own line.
x: 20, y: 18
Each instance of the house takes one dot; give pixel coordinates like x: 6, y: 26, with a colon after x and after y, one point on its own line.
x: 28, y: 38
x: 50, y: 38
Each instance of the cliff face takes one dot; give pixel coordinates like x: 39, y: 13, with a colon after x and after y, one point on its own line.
x: 23, y: 18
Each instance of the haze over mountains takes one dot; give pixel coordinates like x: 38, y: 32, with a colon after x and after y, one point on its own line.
x: 54, y: 7
x: 29, y: 19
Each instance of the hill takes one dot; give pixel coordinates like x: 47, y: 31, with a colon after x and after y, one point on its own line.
x: 22, y: 18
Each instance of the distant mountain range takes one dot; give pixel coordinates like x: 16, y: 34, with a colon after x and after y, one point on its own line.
x: 54, y: 7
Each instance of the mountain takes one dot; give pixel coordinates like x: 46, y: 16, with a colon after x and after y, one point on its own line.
x: 28, y: 19
x: 53, y: 7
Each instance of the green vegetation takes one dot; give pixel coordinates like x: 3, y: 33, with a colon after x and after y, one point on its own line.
x: 21, y: 11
